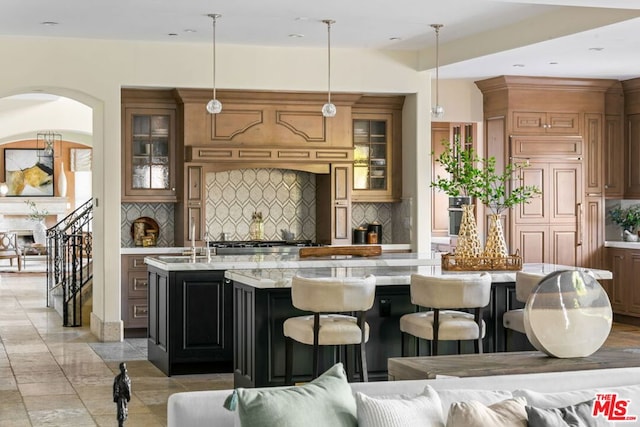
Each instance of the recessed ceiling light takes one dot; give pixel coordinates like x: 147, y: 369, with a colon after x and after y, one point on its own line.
x: 553, y: 63
x: 172, y: 34
x: 302, y: 18
x: 518, y: 65
x: 296, y: 36
x: 189, y: 30
x: 49, y: 23
x: 597, y: 49
x: 393, y: 39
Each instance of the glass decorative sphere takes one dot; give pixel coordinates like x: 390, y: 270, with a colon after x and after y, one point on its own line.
x: 329, y: 110
x: 568, y: 315
x: 214, y: 106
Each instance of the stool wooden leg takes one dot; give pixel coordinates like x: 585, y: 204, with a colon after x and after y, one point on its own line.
x: 316, y: 346
x: 436, y: 325
x: 364, y: 372
x: 288, y: 361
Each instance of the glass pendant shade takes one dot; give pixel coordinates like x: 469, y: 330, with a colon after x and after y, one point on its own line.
x: 329, y: 110
x: 437, y: 111
x: 214, y: 106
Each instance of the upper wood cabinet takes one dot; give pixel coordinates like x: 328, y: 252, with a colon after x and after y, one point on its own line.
x: 546, y: 123
x: 613, y: 143
x: 149, y: 146
x: 632, y: 137
x: 377, y: 145
x: 594, y: 152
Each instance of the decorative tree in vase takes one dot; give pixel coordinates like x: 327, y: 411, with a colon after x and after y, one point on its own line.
x: 463, y: 179
x: 497, y: 196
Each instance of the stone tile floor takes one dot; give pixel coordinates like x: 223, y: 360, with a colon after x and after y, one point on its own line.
x: 56, y: 376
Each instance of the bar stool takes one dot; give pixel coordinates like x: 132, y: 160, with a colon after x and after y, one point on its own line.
x: 327, y: 298
x: 525, y: 283
x: 444, y: 294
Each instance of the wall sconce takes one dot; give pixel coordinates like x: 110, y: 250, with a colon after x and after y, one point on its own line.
x: 47, y: 141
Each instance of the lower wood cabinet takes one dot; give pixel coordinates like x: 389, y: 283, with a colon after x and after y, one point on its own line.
x: 190, y: 321
x: 623, y: 292
x: 133, y: 293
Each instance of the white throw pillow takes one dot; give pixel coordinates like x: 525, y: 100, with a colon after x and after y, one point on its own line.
x: 400, y: 411
x: 486, y: 397
x: 508, y: 413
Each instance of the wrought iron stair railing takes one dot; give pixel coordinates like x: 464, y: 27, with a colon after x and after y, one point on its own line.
x: 69, y: 261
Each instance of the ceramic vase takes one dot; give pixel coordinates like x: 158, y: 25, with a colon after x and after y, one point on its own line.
x: 62, y: 182
x: 40, y: 233
x: 468, y: 240
x: 496, y: 245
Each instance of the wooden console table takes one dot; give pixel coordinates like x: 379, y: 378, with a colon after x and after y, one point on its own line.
x: 522, y: 362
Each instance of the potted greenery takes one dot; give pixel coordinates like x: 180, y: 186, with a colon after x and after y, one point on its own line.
x: 461, y: 184
x: 497, y: 196
x: 628, y: 219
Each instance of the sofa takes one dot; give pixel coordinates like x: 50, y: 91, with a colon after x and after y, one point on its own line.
x: 205, y: 408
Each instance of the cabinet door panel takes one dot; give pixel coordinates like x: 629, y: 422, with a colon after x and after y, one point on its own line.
x: 537, y: 210
x: 613, y: 157
x: 439, y: 199
x: 532, y: 241
x: 594, y: 151
x: 566, y: 191
x: 617, y: 264
x: 633, y: 177
x: 632, y: 289
x: 563, y: 245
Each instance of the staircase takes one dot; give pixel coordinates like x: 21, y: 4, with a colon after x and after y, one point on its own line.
x: 70, y: 264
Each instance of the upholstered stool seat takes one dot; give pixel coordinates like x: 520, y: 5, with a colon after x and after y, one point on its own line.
x: 339, y: 306
x: 444, y: 294
x: 525, y: 283
x: 335, y: 329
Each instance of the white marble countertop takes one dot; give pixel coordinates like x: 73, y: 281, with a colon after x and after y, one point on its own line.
x: 399, y: 275
x: 621, y: 244
x: 151, y: 250
x: 269, y: 261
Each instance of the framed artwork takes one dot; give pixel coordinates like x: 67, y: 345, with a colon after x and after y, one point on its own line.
x: 28, y: 172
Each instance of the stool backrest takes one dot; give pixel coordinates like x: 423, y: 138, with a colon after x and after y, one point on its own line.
x: 326, y: 295
x: 451, y: 291
x: 525, y: 283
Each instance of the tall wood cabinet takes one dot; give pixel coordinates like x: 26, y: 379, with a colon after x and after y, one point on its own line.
x: 149, y: 146
x: 558, y: 126
x: 333, y: 205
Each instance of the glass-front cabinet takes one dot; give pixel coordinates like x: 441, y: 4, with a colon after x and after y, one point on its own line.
x: 372, y: 159
x: 149, y: 155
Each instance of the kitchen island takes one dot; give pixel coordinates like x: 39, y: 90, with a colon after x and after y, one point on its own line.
x: 226, y: 315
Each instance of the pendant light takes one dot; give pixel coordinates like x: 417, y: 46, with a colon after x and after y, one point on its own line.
x: 437, y: 111
x: 328, y: 109
x: 214, y: 106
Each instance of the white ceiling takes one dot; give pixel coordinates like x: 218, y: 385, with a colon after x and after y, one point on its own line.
x: 480, y: 38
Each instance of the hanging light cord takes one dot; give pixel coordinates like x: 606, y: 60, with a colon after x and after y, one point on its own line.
x: 214, y: 17
x: 329, y: 59
x: 437, y: 27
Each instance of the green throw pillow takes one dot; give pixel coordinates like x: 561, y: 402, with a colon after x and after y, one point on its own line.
x: 325, y: 401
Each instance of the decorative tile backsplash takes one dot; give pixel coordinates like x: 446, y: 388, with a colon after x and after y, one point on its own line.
x: 162, y: 213
x: 286, y: 198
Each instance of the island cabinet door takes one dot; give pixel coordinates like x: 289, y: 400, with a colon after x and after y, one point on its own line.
x: 201, y: 326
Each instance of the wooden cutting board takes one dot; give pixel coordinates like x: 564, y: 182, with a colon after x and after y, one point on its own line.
x: 363, y: 250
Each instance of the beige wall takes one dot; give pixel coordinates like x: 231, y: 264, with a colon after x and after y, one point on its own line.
x: 93, y: 72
